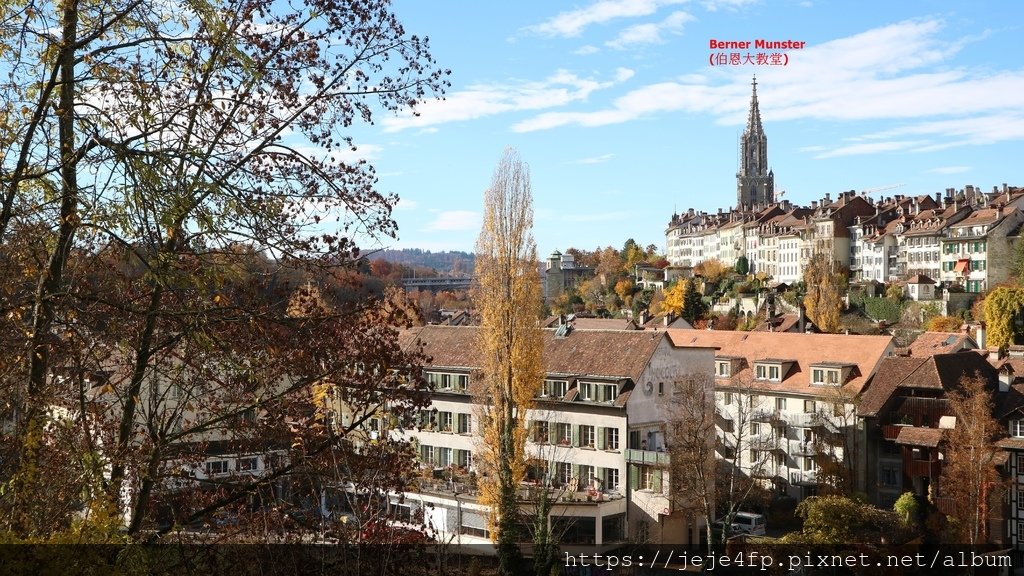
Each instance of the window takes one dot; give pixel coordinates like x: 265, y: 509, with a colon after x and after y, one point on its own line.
x: 247, y: 464
x: 780, y: 403
x: 465, y: 424
x: 446, y: 421
x: 555, y: 388
x: 661, y: 388
x: 610, y: 437
x: 427, y: 454
x: 723, y: 369
x: 587, y: 436
x: 609, y: 478
x: 462, y: 382
x: 817, y: 376
x: 727, y: 398
x: 563, y: 432
x: 216, y: 467
x: 463, y: 458
x: 608, y: 392
x: 586, y: 390
x: 446, y: 381
x: 446, y: 457
x: 809, y: 407
x: 888, y: 475
x: 540, y: 432
x: 833, y: 377
x: 1017, y: 428
x: 563, y: 472
x: 755, y: 428
x: 809, y: 464
x: 768, y: 371
x: 586, y: 476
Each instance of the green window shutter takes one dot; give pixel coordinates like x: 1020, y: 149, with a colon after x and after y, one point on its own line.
x: 634, y: 477
x: 552, y: 433
x: 575, y: 436
x: 657, y: 480
x: 601, y: 432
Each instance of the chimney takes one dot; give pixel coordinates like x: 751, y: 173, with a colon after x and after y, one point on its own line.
x: 1005, y: 377
x: 814, y: 204
x: 981, y: 335
x: 802, y: 321
x: 669, y: 318
x: 828, y: 198
x: 938, y: 198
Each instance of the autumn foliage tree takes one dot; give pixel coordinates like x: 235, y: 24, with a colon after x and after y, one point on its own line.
x: 970, y: 480
x: 164, y: 168
x: 508, y: 299
x: 824, y: 280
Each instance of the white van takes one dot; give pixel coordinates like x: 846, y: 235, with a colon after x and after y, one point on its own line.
x: 749, y: 523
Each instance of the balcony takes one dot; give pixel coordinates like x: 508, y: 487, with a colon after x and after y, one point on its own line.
x: 765, y: 415
x: 647, y: 457
x: 802, y: 449
x: 927, y: 468
x: 803, y: 478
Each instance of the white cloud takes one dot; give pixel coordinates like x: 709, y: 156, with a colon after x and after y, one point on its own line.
x: 406, y: 204
x: 650, y: 33
x: 950, y: 170
x: 586, y: 50
x: 482, y: 100
x: 896, y: 72
x: 572, y: 23
x: 454, y: 220
x: 871, y: 148
x: 366, y: 152
x: 595, y: 159
x: 715, y: 5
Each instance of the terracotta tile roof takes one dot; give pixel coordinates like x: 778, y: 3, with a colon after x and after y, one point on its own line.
x: 930, y: 343
x: 863, y: 352
x: 920, y: 279
x: 593, y: 353
x: 938, y: 372
x: 1011, y: 443
x: 890, y: 373
x: 912, y: 436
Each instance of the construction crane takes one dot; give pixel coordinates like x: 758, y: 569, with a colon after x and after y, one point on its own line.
x: 880, y: 188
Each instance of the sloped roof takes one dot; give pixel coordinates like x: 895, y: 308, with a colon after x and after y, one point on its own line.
x: 863, y: 352
x: 595, y: 353
x: 920, y: 279
x: 912, y: 436
x: 930, y: 343
x: 939, y: 372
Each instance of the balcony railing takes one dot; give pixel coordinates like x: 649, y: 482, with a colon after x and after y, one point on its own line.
x: 803, y: 477
x: 648, y: 457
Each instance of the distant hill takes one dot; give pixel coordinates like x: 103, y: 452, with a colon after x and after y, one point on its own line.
x: 448, y: 262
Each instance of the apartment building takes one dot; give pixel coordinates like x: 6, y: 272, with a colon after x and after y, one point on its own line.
x: 976, y: 251
x: 595, y: 437
x: 786, y: 403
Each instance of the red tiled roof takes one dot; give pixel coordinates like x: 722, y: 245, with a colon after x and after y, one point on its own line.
x: 912, y: 436
x: 863, y: 352
x: 594, y: 353
x: 931, y: 343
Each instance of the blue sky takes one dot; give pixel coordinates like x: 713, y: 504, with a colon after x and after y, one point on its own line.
x: 614, y: 105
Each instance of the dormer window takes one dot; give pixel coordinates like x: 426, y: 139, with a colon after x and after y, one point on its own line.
x: 771, y: 372
x: 1017, y: 428
x: 830, y: 374
x: 723, y: 368
x: 555, y: 388
x: 598, y: 391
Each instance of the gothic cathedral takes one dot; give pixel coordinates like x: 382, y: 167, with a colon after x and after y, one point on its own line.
x: 755, y: 183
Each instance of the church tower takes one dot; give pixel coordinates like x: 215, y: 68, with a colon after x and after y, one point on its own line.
x: 755, y: 183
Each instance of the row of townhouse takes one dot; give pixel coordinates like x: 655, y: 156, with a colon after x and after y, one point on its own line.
x: 963, y: 238
x: 595, y: 442
x: 784, y: 404
x: 908, y: 420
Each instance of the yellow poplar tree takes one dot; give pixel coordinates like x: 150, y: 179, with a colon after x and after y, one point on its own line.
x: 824, y: 300
x: 508, y: 298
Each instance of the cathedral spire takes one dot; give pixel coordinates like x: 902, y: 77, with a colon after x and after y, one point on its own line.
x: 754, y: 117
x: 755, y: 182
